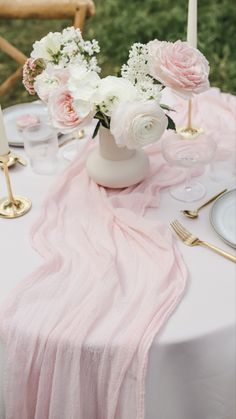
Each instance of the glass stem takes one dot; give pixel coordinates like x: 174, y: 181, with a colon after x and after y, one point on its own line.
x: 188, y: 179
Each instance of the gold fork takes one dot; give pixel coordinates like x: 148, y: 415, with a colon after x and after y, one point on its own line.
x: 190, y: 240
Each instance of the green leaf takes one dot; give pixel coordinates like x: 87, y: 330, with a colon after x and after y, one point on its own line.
x: 107, y: 120
x: 171, y: 124
x: 104, y: 119
x: 96, y: 129
x: 166, y: 107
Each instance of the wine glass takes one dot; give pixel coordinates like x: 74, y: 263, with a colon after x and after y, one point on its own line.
x: 188, y: 153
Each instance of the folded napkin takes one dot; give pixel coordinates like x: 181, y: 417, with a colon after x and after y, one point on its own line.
x: 79, y: 329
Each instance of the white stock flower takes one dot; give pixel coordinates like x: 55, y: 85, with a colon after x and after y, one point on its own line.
x: 71, y: 34
x: 137, y: 124
x: 137, y: 68
x: 91, y: 46
x: 93, y: 65
x: 112, y: 91
x: 138, y: 73
x: 149, y: 90
x: 67, y: 47
x: 70, y: 49
x: 48, y: 47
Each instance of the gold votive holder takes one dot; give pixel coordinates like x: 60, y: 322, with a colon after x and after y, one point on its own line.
x: 12, y: 206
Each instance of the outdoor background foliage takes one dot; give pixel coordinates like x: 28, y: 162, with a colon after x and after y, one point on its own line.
x: 119, y: 23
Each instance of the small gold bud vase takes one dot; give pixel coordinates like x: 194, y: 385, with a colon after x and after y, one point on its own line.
x: 12, y: 206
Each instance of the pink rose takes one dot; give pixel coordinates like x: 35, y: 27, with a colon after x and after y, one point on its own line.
x: 62, y: 112
x: 179, y: 66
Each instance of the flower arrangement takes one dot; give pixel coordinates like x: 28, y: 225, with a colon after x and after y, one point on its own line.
x: 64, y: 72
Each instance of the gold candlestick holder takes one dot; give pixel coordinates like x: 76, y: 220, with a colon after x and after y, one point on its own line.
x: 12, y: 206
x: 189, y: 131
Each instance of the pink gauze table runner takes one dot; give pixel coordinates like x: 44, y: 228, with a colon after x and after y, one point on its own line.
x: 79, y: 329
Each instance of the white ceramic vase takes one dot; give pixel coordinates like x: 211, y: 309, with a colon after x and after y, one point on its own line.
x: 116, y: 167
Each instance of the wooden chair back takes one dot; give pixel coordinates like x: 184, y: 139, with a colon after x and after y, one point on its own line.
x: 78, y: 10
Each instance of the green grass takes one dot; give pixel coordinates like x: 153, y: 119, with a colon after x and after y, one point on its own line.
x: 119, y: 23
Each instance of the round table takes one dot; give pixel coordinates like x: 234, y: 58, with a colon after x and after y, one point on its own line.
x: 192, y: 361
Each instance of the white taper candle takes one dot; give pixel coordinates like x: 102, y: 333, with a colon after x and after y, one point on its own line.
x: 4, y: 148
x: 192, y: 23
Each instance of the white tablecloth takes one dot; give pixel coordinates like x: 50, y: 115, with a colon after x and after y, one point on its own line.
x: 192, y: 362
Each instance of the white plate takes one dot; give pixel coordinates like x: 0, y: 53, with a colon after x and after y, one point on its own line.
x: 223, y: 217
x: 12, y: 113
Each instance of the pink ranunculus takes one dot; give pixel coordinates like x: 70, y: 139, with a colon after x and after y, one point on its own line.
x: 62, y: 112
x: 179, y: 66
x: 31, y: 69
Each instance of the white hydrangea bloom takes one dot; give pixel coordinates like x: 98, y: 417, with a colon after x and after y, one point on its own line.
x: 83, y: 85
x: 113, y: 90
x: 48, y: 47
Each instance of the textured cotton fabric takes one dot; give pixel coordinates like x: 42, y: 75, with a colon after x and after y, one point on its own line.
x: 79, y: 329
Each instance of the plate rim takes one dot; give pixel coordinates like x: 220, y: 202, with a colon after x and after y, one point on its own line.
x: 211, y: 218
x: 34, y: 103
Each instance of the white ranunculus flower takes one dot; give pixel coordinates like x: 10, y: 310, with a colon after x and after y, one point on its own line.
x: 47, y: 47
x: 137, y: 124
x: 112, y: 91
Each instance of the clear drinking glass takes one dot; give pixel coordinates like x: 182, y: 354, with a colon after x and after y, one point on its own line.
x: 41, y: 146
x: 188, y: 153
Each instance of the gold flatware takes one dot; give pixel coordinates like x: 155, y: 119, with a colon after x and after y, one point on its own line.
x: 78, y: 135
x: 194, y: 213
x: 69, y: 140
x: 190, y: 240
